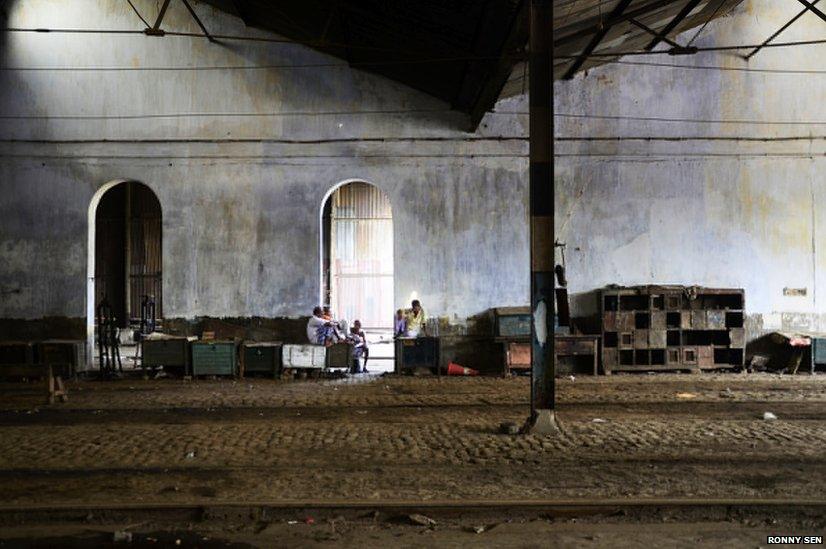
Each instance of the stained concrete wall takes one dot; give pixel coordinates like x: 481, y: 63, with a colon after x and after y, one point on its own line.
x: 241, y: 141
x: 717, y: 179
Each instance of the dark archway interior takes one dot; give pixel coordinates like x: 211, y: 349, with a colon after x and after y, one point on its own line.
x: 128, y: 250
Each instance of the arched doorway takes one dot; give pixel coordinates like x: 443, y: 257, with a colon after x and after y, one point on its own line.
x: 125, y: 253
x: 357, y: 255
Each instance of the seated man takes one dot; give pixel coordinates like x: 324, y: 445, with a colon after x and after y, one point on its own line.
x: 320, y: 331
x: 341, y: 325
x: 360, y: 350
x: 415, y: 319
x: 400, y: 325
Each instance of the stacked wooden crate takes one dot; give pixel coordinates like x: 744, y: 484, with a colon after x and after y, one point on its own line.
x: 672, y: 328
x: 512, y: 328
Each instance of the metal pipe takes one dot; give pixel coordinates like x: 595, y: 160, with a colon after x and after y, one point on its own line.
x: 541, y: 211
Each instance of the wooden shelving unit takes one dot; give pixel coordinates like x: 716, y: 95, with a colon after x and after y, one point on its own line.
x: 672, y: 328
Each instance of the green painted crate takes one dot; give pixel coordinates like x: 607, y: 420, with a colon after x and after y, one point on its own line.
x: 261, y: 358
x: 213, y: 358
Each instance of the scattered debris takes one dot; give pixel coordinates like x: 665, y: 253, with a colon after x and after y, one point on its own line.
x: 768, y: 416
x: 190, y: 455
x: 599, y: 420
x: 309, y: 520
x: 509, y: 428
x: 421, y: 520
x: 572, y: 378
x: 480, y: 528
x: 686, y: 395
x: 122, y: 536
x: 292, y: 522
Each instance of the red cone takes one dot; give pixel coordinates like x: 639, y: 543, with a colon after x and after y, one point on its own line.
x: 454, y: 369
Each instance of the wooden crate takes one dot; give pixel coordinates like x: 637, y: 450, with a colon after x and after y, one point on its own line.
x: 66, y: 356
x: 16, y: 352
x: 417, y: 352
x: 339, y: 356
x: 512, y: 321
x: 261, y: 358
x: 518, y: 356
x: 213, y: 358
x: 167, y: 352
x: 304, y: 356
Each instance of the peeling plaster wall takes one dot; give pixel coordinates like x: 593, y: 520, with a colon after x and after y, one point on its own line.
x: 241, y: 160
x: 731, y: 201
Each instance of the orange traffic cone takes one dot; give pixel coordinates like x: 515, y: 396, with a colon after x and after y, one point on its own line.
x: 454, y: 369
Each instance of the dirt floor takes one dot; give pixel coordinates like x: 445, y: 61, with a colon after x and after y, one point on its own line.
x: 419, y: 439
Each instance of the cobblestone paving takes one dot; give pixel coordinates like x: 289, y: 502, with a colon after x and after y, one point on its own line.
x: 390, y: 437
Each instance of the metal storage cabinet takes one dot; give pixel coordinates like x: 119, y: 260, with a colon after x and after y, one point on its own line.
x: 304, y: 356
x: 339, y: 355
x: 169, y: 352
x: 261, y: 358
x: 512, y: 321
x: 417, y: 352
x: 213, y: 358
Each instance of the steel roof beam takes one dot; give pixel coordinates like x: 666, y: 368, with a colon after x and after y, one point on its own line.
x: 613, y: 19
x: 810, y: 6
x: 780, y: 30
x: 659, y: 36
x: 197, y: 20
x: 681, y: 15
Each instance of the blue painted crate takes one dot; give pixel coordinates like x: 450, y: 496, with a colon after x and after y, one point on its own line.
x: 512, y: 322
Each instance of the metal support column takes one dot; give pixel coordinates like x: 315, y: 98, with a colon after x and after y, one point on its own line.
x: 541, y: 204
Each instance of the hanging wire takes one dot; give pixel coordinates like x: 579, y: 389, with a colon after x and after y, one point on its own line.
x: 713, y: 14
x: 145, y: 22
x: 721, y: 68
x: 407, y: 52
x: 339, y: 64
